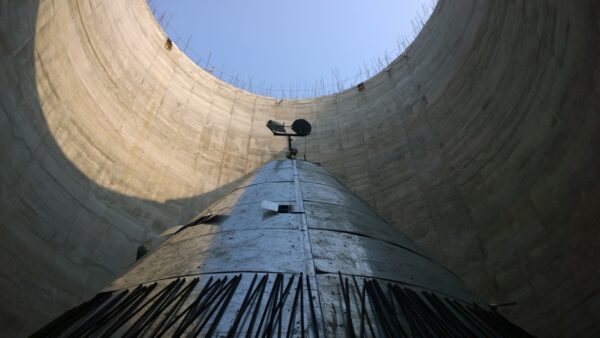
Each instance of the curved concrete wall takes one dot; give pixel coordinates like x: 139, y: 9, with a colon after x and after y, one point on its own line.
x: 482, y: 144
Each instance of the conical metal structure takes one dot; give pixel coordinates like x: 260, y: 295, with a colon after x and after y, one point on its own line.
x: 291, y: 252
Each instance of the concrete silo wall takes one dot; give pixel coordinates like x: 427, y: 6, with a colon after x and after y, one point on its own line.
x: 481, y: 143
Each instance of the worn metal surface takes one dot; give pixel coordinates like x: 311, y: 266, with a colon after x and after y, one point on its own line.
x: 363, y: 256
x: 326, y: 194
x: 260, y: 250
x: 344, y: 219
x: 255, y: 193
x: 330, y: 267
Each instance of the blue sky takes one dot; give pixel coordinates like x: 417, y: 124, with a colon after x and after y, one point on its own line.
x: 295, y: 45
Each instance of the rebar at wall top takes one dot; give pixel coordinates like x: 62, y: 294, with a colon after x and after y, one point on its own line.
x: 294, y: 91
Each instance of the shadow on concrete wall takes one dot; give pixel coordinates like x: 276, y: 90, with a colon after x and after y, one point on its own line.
x: 58, y: 247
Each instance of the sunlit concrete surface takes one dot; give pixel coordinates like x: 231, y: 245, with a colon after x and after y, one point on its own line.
x: 482, y: 144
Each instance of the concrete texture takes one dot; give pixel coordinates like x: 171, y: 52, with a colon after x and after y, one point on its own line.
x: 482, y: 144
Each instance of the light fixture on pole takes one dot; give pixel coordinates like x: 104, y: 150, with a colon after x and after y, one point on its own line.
x: 300, y: 127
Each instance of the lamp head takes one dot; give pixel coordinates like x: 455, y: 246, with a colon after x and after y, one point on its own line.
x: 301, y: 127
x: 276, y: 127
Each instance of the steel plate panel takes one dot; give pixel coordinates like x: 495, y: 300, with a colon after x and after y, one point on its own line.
x: 338, y: 218
x: 242, y: 217
x: 269, y: 175
x: 357, y: 255
x: 312, y: 192
x: 313, y: 176
x: 253, y: 250
x: 276, y: 192
x: 277, y: 164
x: 309, y: 165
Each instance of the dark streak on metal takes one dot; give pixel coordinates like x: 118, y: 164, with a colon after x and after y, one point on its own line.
x: 346, y: 298
x: 260, y: 289
x: 312, y: 309
x: 247, y: 299
x: 183, y: 295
